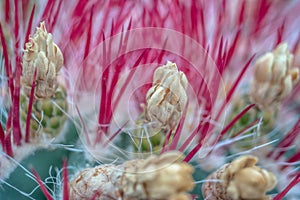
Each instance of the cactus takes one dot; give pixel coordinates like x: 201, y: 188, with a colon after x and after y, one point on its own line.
x: 149, y: 100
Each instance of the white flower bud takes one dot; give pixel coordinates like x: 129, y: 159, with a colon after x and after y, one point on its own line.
x: 167, y: 97
x: 274, y: 78
x: 43, y: 55
x: 240, y: 179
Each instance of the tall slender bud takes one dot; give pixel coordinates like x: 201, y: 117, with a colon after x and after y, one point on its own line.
x: 44, y: 56
x: 165, y: 102
x: 167, y: 97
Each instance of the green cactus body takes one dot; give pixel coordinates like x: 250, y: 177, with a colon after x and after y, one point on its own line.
x: 47, y: 114
x: 150, y: 142
x: 268, y: 122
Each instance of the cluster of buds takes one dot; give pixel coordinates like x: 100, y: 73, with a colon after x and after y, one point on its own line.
x: 240, y: 179
x: 164, y: 177
x: 274, y: 78
x: 44, y: 57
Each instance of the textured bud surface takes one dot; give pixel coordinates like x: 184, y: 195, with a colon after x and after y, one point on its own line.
x: 167, y: 97
x: 157, y: 177
x: 240, y: 179
x: 44, y: 56
x: 274, y: 78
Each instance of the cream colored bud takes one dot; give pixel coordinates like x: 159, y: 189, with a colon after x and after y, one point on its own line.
x: 167, y: 97
x: 100, y: 179
x: 240, y: 180
x: 263, y: 68
x: 156, y: 178
x: 274, y: 78
x: 42, y: 55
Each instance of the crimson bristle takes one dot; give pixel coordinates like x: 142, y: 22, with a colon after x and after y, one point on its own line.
x: 46, y: 12
x: 65, y: 180
x: 292, y: 184
x: 2, y: 136
x: 7, y: 10
x: 178, y: 131
x: 89, y: 34
x: 7, y: 63
x: 234, y: 86
x: 30, y: 103
x: 29, y: 27
x: 55, y: 16
x: 42, y: 186
x: 288, y: 140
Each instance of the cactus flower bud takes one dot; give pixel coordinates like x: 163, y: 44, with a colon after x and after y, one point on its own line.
x: 167, y: 97
x: 240, y: 179
x: 274, y: 78
x: 43, y: 55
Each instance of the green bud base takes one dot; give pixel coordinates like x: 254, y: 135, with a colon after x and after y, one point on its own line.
x: 47, y: 114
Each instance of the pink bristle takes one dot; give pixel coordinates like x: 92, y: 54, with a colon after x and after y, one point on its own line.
x: 79, y: 9
x: 7, y: 10
x: 130, y: 76
x: 193, y: 152
x: 55, y: 16
x: 7, y: 65
x: 42, y: 186
x: 114, y: 135
x: 16, y: 105
x: 166, y: 142
x: 190, y: 138
x: 280, y: 33
x: 294, y: 158
x: 16, y: 93
x: 234, y: 86
x: 46, y: 12
x: 7, y: 137
x: 233, y: 47
x: 29, y: 24
x: 89, y: 35
x: 262, y: 9
x: 288, y: 139
x: 95, y: 196
x: 8, y: 144
x: 65, y: 180
x: 241, y: 14
x: 293, y: 183
x: 178, y: 131
x: 30, y: 103
x: 2, y: 136
x: 231, y: 124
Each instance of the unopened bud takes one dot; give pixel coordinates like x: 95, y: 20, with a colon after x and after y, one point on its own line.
x: 239, y: 180
x: 167, y: 97
x: 44, y: 56
x: 274, y: 78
